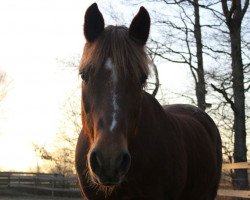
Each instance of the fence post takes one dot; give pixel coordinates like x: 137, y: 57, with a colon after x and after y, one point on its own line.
x: 53, y: 186
x: 228, y: 190
x: 9, y: 180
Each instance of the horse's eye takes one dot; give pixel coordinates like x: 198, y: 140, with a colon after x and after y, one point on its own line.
x: 85, y: 75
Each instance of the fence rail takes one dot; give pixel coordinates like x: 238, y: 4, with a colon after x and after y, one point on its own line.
x: 55, y: 183
x: 241, y: 165
x: 234, y: 193
x: 52, y: 184
x: 226, y: 186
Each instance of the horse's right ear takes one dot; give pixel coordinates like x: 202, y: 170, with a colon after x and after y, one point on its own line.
x: 93, y: 23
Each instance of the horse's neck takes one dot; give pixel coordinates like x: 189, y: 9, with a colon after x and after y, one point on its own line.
x: 156, y: 121
x: 151, y: 108
x: 156, y: 131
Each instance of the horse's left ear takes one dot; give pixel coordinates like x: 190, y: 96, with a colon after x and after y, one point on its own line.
x: 93, y: 23
x: 139, y: 27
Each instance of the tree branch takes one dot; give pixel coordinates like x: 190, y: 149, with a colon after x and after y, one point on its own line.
x: 225, y: 95
x: 248, y: 87
x: 245, y: 7
x: 225, y: 8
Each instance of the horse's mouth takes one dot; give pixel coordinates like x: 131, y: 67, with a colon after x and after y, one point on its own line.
x: 110, y: 184
x: 107, y: 181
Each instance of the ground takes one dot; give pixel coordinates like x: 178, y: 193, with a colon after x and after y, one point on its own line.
x: 37, y: 198
x: 7, y: 194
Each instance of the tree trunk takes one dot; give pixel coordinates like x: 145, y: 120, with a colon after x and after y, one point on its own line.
x: 240, y: 149
x: 234, y: 17
x: 200, y: 85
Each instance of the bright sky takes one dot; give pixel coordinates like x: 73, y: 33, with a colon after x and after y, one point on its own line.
x: 34, y: 34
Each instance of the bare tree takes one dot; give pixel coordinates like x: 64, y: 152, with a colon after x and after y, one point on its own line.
x: 156, y: 83
x: 61, y: 160
x: 234, y: 13
x: 181, y: 41
x: 231, y: 48
x: 4, y: 88
x: 200, y: 84
x: 61, y: 157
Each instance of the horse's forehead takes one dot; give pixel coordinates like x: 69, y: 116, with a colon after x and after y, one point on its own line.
x: 109, y: 64
x: 111, y: 67
x: 114, y: 108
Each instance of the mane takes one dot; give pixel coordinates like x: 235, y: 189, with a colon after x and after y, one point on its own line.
x: 129, y: 58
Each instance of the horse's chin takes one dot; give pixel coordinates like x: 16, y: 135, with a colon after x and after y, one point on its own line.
x: 106, y: 187
x: 110, y: 184
x: 106, y: 183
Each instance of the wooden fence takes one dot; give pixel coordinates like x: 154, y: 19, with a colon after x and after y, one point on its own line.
x: 55, y: 184
x: 50, y: 184
x: 226, y: 186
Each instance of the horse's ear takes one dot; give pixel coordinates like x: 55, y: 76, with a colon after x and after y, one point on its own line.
x: 93, y: 23
x: 139, y: 27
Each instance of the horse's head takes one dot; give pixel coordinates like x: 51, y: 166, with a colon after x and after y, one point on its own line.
x: 114, y: 68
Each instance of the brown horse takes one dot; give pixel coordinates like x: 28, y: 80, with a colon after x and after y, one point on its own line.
x: 130, y: 147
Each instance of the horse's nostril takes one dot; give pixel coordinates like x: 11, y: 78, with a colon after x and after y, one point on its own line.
x: 124, y: 163
x: 107, y: 169
x: 95, y: 162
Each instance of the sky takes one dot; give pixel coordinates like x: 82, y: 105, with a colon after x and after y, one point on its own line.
x: 35, y: 36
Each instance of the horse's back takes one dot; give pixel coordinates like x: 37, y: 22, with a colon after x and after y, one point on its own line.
x: 203, y: 148
x: 188, y: 113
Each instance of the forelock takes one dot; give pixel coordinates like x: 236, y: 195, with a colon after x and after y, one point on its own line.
x: 128, y: 58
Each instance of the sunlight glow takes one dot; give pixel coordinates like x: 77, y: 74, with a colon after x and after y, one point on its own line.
x: 34, y: 35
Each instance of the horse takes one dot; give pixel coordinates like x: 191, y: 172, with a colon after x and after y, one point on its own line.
x: 131, y: 147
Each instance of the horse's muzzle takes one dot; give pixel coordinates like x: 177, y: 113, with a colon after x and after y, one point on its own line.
x: 107, y: 170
